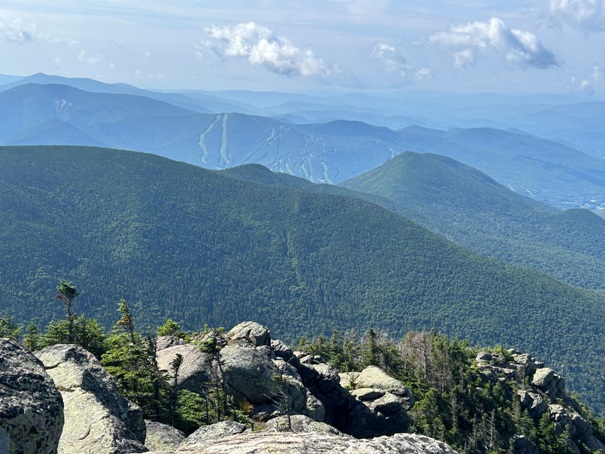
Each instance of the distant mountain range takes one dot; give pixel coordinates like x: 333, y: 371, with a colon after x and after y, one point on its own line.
x: 212, y: 247
x: 45, y: 109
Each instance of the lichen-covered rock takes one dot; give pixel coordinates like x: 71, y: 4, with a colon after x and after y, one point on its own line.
x: 31, y: 407
x: 375, y: 377
x: 319, y: 442
x: 97, y: 418
x: 249, y: 372
x: 548, y: 381
x: 197, y: 369
x: 300, y: 424
x: 162, y: 437
x: 206, y: 435
x: 314, y: 408
x: 533, y: 403
x: 249, y: 334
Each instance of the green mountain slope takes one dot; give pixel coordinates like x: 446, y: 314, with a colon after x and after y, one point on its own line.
x: 473, y: 210
x: 543, y: 169
x: 182, y: 242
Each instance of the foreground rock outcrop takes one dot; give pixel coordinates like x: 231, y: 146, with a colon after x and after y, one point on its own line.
x: 31, y: 408
x: 97, y: 418
x: 162, y: 437
x: 277, y: 381
x: 301, y: 436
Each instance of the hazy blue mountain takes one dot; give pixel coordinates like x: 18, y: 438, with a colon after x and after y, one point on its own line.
x: 473, y: 210
x: 75, y: 82
x: 6, y: 79
x: 95, y: 86
x: 320, y: 152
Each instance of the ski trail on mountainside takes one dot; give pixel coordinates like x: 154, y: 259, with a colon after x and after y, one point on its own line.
x: 224, y: 155
x: 202, y: 141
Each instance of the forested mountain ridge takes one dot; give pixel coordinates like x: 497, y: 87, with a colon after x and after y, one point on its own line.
x: 544, y: 170
x: 474, y: 211
x: 179, y: 241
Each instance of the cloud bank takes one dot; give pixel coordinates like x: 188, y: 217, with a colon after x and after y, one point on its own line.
x: 587, y: 15
x: 13, y: 29
x: 516, y: 46
x: 258, y: 45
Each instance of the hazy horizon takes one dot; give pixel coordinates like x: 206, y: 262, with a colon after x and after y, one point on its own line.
x: 317, y: 46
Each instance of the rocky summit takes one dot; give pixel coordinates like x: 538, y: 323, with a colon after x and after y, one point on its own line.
x: 300, y: 435
x: 31, y: 408
x: 62, y: 401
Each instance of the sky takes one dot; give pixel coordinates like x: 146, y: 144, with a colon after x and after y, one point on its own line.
x: 312, y: 46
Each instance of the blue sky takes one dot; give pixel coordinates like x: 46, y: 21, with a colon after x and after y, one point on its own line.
x: 513, y: 46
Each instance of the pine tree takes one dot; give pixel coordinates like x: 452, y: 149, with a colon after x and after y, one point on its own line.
x: 67, y: 294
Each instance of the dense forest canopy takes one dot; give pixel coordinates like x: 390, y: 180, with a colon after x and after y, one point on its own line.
x: 199, y: 247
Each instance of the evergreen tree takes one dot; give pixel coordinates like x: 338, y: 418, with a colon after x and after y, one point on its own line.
x: 33, y: 339
x: 8, y: 328
x: 131, y: 359
x: 170, y: 328
x: 67, y: 294
x: 85, y: 332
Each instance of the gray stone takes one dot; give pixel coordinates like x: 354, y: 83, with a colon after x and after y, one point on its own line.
x: 163, y: 342
x: 543, y: 377
x: 549, y: 382
x: 284, y: 352
x: 162, y: 437
x: 483, y: 356
x: 197, y: 369
x: 286, y: 369
x: 248, y: 372
x: 375, y: 377
x: 526, y: 363
x: 249, y: 334
x: 383, y: 416
x: 205, y: 435
x: 296, y: 394
x: 31, y: 407
x: 314, y: 408
x: 368, y: 393
x: 97, y: 418
x: 300, y: 424
x: 327, y: 443
x: 533, y: 402
x: 523, y: 445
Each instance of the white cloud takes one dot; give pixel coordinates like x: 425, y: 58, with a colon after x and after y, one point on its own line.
x: 463, y: 58
x: 423, y: 73
x: 587, y: 15
x: 597, y: 73
x: 14, y: 29
x: 260, y: 46
x: 85, y: 57
x: 389, y: 56
x: 587, y: 87
x: 516, y: 46
x: 393, y: 61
